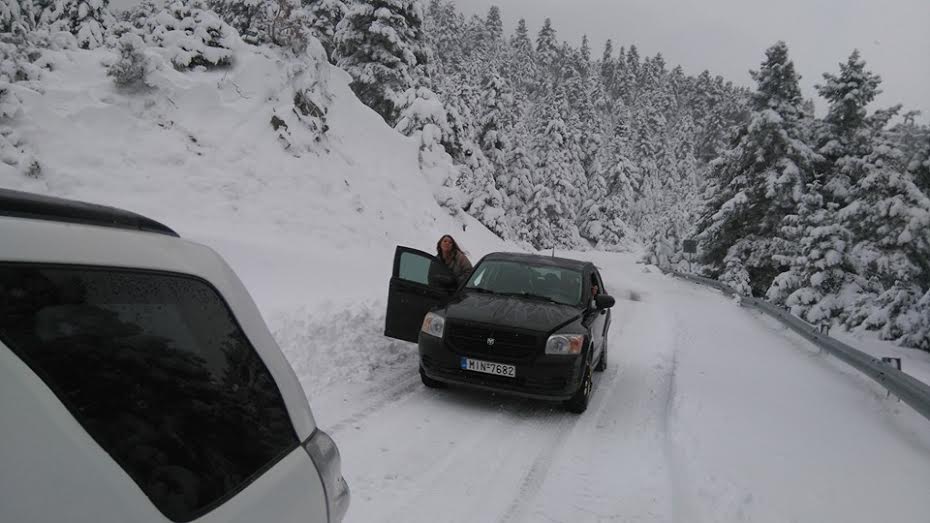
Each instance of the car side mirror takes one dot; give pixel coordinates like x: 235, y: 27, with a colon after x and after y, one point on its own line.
x: 443, y: 281
x: 603, y: 301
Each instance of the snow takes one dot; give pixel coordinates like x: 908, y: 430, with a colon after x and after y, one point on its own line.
x: 706, y: 412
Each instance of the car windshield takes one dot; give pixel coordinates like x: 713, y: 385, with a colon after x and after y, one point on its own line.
x: 557, y: 284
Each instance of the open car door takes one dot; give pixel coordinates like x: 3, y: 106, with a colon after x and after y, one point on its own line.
x: 419, y: 282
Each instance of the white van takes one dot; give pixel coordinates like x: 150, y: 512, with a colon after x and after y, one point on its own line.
x: 139, y: 383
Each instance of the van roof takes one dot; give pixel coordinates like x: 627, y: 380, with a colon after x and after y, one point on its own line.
x: 40, y: 207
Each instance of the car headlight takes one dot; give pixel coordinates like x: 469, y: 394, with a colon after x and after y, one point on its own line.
x: 565, y: 344
x: 433, y: 324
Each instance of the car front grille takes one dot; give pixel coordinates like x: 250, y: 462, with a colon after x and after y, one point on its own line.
x: 486, y: 341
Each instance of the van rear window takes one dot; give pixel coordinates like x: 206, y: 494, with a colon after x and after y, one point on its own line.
x: 156, y: 369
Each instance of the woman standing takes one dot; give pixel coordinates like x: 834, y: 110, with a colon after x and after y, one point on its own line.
x: 447, y: 250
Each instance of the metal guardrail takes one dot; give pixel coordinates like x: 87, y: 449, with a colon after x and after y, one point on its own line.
x: 909, y: 389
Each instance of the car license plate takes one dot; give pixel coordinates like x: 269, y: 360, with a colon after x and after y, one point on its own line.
x: 489, y: 367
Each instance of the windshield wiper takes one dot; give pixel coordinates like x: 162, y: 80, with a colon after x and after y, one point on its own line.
x: 533, y: 297
x: 481, y: 290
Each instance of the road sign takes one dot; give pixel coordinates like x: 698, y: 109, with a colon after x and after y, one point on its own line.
x: 690, y: 246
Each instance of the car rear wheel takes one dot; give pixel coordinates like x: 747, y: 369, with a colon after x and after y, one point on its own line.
x: 430, y: 382
x: 579, y: 402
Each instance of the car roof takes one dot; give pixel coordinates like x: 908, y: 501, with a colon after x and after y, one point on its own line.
x: 537, y: 259
x: 40, y: 207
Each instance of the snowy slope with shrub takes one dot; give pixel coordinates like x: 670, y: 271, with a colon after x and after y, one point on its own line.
x: 308, y: 218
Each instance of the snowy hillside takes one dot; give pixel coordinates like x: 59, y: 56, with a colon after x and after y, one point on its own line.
x: 198, y: 152
x: 312, y: 233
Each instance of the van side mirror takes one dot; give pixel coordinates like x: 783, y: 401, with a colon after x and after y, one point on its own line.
x: 603, y: 301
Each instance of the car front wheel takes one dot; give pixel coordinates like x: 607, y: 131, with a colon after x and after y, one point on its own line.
x: 579, y: 402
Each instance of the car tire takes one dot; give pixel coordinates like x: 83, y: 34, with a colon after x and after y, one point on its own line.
x: 430, y: 382
x: 602, y: 361
x: 579, y: 402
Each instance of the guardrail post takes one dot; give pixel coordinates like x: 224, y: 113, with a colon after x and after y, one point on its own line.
x: 892, y: 362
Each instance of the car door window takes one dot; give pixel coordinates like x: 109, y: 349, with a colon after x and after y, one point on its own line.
x: 156, y: 369
x: 415, y: 267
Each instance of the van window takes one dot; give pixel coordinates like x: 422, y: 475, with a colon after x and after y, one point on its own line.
x: 157, y: 371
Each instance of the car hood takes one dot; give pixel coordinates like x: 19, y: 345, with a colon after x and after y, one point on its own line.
x: 510, y: 311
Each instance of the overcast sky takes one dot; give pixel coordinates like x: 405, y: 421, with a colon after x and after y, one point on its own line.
x: 729, y: 37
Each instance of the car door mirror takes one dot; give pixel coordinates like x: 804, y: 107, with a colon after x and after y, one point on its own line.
x: 603, y: 301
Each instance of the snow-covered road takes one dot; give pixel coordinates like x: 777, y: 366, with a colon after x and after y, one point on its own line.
x: 706, y: 412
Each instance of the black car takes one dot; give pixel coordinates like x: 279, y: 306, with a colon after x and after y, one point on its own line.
x: 529, y: 325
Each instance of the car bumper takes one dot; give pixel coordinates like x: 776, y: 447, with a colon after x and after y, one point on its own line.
x: 546, y: 377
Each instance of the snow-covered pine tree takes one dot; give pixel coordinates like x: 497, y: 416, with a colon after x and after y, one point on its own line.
x: 477, y: 41
x: 515, y: 178
x: 521, y: 61
x: 914, y: 141
x: 845, y: 133
x: 484, y: 200
x: 494, y: 25
x: 324, y: 16
x: 557, y: 179
x: 920, y: 165
x: 821, y: 284
x: 547, y: 54
x: 495, y: 118
x: 759, y: 182
x: 382, y: 45
x: 460, y: 100
x: 17, y: 16
x: 287, y: 24
x: 445, y: 31
x: 632, y: 67
x: 608, y: 67
x: 889, y: 217
x: 87, y: 20
x: 248, y: 17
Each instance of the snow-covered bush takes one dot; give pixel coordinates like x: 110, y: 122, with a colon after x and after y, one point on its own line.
x: 17, y: 154
x: 192, y: 36
x: 134, y: 63
x: 139, y: 15
x: 87, y: 20
x: 116, y: 31
x: 10, y: 102
x: 311, y: 111
x: 423, y: 115
x: 18, y: 61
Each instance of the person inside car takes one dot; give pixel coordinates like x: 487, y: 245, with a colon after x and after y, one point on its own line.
x: 448, y: 251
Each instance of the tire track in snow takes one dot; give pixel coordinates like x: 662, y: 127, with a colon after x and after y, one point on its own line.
x: 538, y: 471
x: 393, y: 394
x: 533, y: 479
x: 433, y: 485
